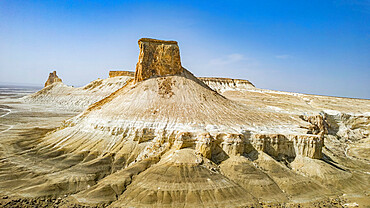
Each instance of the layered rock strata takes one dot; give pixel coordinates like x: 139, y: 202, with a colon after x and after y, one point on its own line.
x: 166, y: 139
x: 218, y: 84
x: 224, y: 84
x: 280, y: 146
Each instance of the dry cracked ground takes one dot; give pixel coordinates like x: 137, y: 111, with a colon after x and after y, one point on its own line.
x: 165, y: 138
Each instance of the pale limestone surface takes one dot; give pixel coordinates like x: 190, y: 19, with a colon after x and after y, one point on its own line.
x: 226, y: 84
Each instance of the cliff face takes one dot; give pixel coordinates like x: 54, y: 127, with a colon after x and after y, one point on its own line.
x: 52, y: 79
x: 280, y: 146
x: 157, y: 58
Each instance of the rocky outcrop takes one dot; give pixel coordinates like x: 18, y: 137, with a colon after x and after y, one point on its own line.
x: 281, y: 146
x: 308, y: 145
x: 232, y: 144
x: 157, y: 58
x: 276, y: 145
x: 53, y: 78
x: 317, y: 126
x: 348, y: 127
x: 168, y: 105
x: 121, y: 73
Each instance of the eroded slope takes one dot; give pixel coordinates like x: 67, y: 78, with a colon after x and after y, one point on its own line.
x: 169, y: 140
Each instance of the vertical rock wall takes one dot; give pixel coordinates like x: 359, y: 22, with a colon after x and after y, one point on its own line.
x: 279, y: 146
x: 157, y: 58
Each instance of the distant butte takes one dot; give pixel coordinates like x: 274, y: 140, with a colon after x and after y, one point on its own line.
x: 53, y: 77
x: 121, y: 73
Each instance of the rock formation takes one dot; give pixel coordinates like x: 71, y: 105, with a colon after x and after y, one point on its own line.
x: 53, y: 78
x: 167, y: 110
x: 166, y: 139
x: 157, y: 58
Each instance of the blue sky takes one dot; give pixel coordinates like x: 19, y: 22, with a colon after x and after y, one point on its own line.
x: 316, y: 47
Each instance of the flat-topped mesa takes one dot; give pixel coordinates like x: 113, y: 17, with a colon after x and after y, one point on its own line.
x: 121, y: 73
x: 157, y: 58
x: 52, y: 79
x: 224, y: 84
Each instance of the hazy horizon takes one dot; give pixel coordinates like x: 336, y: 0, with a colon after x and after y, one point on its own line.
x: 310, y: 47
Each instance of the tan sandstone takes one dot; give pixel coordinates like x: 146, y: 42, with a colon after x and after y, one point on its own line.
x: 157, y: 58
x: 53, y: 78
x: 121, y: 73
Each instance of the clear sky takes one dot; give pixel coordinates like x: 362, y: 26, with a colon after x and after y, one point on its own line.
x: 316, y: 47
